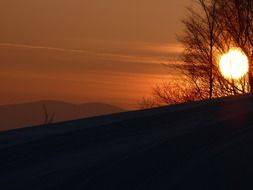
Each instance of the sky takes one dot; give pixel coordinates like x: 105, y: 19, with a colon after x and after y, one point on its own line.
x: 82, y: 51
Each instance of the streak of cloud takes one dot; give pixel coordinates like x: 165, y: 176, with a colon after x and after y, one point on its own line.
x: 165, y: 59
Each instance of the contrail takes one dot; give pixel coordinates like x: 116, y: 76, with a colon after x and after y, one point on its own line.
x: 45, y: 48
x: 62, y: 50
x: 111, y: 56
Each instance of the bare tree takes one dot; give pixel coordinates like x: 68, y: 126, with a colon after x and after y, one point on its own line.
x: 209, y: 33
x: 48, y: 119
x: 236, y: 19
x: 204, y: 41
x: 199, y: 41
x: 169, y: 93
x: 211, y: 28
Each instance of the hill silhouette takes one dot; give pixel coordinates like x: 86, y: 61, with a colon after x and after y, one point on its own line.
x: 202, y: 145
x: 33, y: 113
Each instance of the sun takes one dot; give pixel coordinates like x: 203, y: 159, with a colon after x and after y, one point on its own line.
x: 234, y: 64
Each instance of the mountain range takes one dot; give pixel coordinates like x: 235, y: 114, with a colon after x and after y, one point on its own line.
x: 42, y: 112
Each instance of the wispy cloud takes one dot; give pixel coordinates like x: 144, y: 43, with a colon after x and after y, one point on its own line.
x: 168, y: 48
x: 168, y: 58
x: 48, y: 48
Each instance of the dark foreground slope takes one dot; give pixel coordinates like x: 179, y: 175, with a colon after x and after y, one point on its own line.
x: 205, y: 145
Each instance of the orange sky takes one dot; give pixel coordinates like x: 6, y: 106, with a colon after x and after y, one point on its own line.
x: 87, y: 50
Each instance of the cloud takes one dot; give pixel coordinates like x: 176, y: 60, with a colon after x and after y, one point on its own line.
x: 170, y: 53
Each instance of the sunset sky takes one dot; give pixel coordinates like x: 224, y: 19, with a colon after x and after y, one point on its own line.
x: 80, y: 51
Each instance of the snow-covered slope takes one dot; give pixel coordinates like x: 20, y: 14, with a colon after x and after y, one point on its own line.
x: 203, y: 145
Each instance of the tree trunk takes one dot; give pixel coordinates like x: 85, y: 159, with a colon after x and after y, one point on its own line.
x: 250, y: 77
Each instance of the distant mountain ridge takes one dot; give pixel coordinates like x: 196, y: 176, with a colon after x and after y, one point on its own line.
x: 14, y: 116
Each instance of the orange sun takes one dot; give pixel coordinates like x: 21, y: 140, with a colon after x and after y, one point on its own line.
x: 234, y: 64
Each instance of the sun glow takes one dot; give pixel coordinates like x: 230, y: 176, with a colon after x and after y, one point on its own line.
x: 234, y: 64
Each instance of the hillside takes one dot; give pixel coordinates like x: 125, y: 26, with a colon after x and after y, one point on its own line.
x: 33, y: 113
x: 202, y: 145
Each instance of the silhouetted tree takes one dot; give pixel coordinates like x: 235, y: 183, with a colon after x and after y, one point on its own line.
x: 207, y: 36
x: 168, y: 93
x: 236, y: 19
x: 48, y: 119
x: 201, y: 37
x: 212, y: 27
